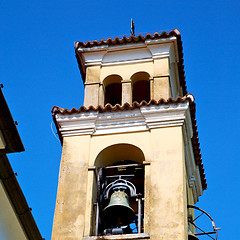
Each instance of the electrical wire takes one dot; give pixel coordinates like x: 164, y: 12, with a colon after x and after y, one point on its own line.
x: 54, y: 132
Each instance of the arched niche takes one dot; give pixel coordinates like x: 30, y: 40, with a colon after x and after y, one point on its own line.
x: 119, y: 162
x: 119, y: 152
x: 140, y: 87
x: 112, y: 90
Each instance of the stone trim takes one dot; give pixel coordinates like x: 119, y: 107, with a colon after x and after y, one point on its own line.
x: 138, y: 236
x: 144, y: 118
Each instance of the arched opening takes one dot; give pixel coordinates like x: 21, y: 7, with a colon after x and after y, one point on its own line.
x: 120, y: 176
x: 118, y: 152
x: 140, y: 87
x: 113, y: 90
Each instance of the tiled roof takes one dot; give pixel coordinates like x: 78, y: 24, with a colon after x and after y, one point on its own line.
x: 127, y: 106
x: 125, y: 39
x: 134, y: 39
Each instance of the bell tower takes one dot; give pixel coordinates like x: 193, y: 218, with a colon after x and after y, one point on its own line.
x: 131, y: 161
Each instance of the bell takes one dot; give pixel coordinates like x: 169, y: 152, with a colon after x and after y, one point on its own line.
x: 118, y: 212
x: 191, y: 236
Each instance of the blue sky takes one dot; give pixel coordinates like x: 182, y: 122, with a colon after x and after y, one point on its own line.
x: 39, y: 70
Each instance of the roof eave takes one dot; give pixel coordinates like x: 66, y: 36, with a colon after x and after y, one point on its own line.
x: 18, y: 200
x: 9, y: 129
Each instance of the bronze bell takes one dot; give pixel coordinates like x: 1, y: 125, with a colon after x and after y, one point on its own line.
x: 118, y: 212
x: 191, y: 236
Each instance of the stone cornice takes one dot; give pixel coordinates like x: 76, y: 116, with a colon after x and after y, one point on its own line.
x: 130, y: 53
x: 144, y: 118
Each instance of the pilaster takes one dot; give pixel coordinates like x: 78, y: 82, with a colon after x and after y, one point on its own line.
x: 126, y: 91
x: 161, y: 87
x: 91, y: 95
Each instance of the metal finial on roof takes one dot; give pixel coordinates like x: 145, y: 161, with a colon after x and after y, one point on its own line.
x: 132, y: 28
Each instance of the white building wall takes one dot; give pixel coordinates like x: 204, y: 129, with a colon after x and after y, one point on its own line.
x: 10, y: 228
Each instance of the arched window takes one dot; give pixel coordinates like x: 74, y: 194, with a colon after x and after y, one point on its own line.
x: 120, y: 190
x: 113, y: 90
x: 140, y: 87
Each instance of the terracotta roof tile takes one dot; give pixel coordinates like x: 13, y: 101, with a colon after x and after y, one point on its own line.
x: 125, y: 40
x: 134, y: 39
x: 127, y: 106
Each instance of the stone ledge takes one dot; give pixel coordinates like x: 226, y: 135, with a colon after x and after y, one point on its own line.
x: 138, y: 236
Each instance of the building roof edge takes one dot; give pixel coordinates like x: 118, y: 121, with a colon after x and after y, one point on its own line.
x: 18, y: 200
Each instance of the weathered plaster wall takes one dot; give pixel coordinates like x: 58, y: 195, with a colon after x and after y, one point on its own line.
x: 72, y: 189
x: 165, y: 183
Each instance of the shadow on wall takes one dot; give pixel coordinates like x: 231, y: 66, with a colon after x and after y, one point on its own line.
x: 117, y: 153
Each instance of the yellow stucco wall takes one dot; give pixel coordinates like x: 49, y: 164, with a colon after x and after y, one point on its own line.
x: 165, y: 215
x: 72, y: 189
